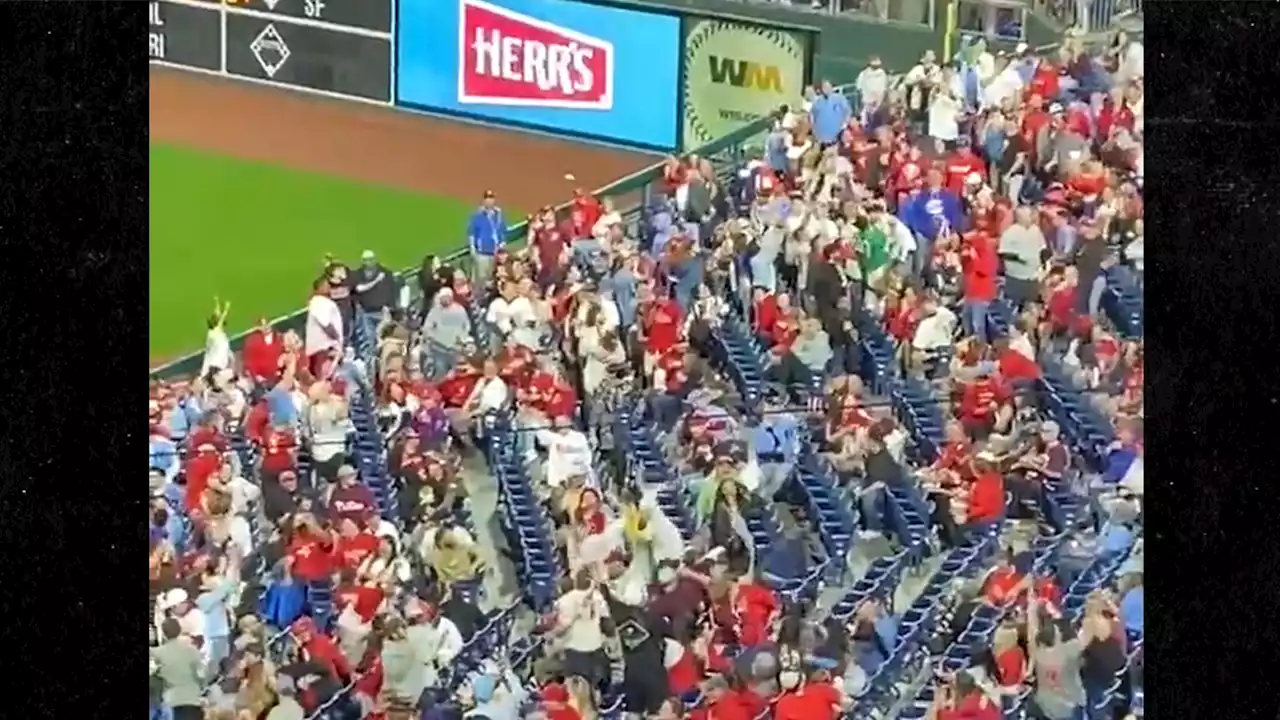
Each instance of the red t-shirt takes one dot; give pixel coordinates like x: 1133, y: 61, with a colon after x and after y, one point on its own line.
x: 981, y: 265
x: 1016, y: 366
x: 974, y: 706
x: 958, y: 169
x: 766, y: 314
x: 685, y: 674
x: 278, y: 451
x: 814, y: 701
x: 352, y: 551
x: 998, y: 589
x: 312, y: 557
x: 975, y: 404
x: 672, y: 365
x: 986, y: 497
x: 1011, y: 665
x: 1062, y: 307
x: 262, y: 354
x: 458, y: 386
x: 586, y: 211
x: 362, y: 599
x: 664, y: 321
x: 730, y: 706
x: 550, y: 244
x: 755, y: 605
x: 199, y: 469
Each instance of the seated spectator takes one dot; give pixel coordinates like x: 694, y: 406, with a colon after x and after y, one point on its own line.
x: 812, y: 698
x: 812, y: 347
x: 962, y: 698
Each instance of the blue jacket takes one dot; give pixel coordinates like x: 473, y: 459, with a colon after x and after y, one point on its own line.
x: 1118, y: 462
x: 830, y: 113
x: 924, y: 213
x: 486, y: 231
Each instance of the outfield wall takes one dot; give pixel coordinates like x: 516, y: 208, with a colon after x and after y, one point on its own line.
x: 632, y: 75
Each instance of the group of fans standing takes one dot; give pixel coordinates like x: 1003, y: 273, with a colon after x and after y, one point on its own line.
x: 994, y: 178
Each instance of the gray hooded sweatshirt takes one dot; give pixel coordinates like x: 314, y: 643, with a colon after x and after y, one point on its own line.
x: 448, y: 325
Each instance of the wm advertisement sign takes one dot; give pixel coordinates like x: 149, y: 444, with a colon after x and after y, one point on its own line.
x: 737, y: 72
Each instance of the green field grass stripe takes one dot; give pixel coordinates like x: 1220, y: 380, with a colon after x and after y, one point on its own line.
x: 254, y: 234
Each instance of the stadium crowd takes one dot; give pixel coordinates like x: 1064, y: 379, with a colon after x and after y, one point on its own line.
x: 909, y: 322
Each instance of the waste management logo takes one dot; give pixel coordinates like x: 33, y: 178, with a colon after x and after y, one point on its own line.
x: 507, y: 58
x: 736, y: 73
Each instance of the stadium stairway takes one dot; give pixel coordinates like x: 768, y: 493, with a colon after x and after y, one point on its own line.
x: 1122, y: 301
x: 981, y: 627
x: 917, y: 624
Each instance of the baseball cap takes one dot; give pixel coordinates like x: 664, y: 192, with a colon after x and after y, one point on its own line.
x: 368, y: 255
x: 489, y: 194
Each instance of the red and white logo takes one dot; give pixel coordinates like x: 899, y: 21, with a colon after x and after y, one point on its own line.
x: 506, y: 58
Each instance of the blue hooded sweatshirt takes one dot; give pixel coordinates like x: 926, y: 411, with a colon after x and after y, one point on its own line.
x: 925, y: 212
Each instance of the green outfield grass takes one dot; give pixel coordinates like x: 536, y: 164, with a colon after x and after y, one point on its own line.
x: 254, y: 234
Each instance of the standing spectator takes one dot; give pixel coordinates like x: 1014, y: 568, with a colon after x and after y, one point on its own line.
x: 830, y: 113
x: 446, y: 331
x: 981, y: 268
x: 487, y: 234
x: 262, y: 352
x: 376, y: 290
x: 872, y: 83
x: 217, y: 348
x: 1023, y: 249
x: 179, y: 666
x: 324, y: 329
x: 432, y: 276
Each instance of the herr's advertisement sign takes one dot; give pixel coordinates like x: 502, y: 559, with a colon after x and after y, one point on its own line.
x: 737, y: 72
x: 593, y: 71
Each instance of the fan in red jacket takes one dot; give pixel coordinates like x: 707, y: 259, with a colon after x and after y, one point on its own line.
x: 263, y: 349
x: 310, y: 553
x: 319, y: 648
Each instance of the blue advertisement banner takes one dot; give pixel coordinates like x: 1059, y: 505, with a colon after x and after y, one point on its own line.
x: 599, y: 72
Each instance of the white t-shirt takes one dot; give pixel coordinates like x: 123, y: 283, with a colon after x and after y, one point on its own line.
x: 490, y: 394
x: 942, y: 117
x: 217, y: 351
x: 507, y: 316
x: 322, y: 312
x: 935, y: 331
x: 568, y: 454
x: 1005, y: 85
x: 582, y: 610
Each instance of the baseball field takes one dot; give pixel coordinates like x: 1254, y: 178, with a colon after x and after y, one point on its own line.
x: 252, y: 186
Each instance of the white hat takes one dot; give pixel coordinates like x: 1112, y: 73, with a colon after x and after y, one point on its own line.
x: 173, y: 599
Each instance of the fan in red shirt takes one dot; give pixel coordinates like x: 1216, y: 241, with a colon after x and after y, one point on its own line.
x: 458, y: 384
x: 787, y: 327
x: 354, y: 544
x: 981, y: 266
x: 765, y: 312
x: 813, y: 700
x: 279, y: 451
x: 1004, y: 583
x: 584, y: 214
x: 1044, y: 81
x: 755, y: 607
x: 310, y: 551
x: 362, y: 599
x: 1013, y: 365
x: 903, y: 315
x: 962, y: 699
x: 986, y: 492
x: 720, y: 702
x: 673, y: 369
x: 964, y: 169
x: 674, y: 174
x: 262, y: 351
x: 982, y: 401
x: 1035, y: 120
x: 548, y: 241
x: 662, y: 326
x: 318, y: 648
x: 589, y: 517
x: 1061, y: 306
